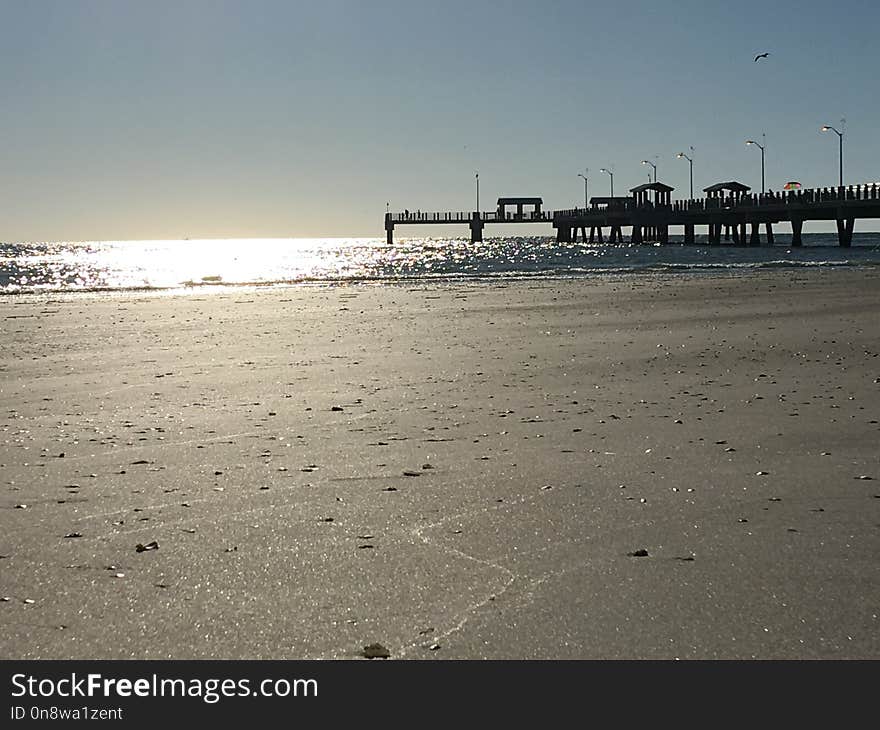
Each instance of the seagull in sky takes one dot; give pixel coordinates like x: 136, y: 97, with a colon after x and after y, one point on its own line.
x: 761, y: 55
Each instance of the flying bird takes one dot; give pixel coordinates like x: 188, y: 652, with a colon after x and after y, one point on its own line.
x: 761, y: 55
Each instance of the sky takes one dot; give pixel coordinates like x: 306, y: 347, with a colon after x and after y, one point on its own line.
x: 124, y: 119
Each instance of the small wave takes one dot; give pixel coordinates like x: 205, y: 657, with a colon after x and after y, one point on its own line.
x: 777, y: 264
x: 54, y: 289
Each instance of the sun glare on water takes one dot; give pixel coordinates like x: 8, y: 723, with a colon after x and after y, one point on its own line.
x: 187, y: 263
x: 212, y: 264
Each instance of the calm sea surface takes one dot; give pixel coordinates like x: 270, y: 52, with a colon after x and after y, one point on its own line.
x: 99, y: 266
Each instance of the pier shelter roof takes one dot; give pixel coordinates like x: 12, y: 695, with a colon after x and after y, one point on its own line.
x: 655, y: 186
x: 733, y: 186
x: 662, y: 193
x: 520, y: 201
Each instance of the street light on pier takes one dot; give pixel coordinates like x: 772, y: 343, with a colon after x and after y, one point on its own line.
x: 477, y: 178
x: 691, y: 162
x: 648, y: 162
x: 761, y: 147
x: 612, y: 179
x: 586, y: 184
x: 829, y: 128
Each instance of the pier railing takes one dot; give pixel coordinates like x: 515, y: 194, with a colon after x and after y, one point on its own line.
x: 813, y: 196
x: 467, y: 217
x: 866, y: 192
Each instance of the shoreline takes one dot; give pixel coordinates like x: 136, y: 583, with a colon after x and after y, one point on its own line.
x: 451, y: 469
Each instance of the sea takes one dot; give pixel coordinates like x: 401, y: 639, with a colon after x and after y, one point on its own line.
x: 183, y: 266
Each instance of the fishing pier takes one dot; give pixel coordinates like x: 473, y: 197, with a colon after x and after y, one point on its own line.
x: 729, y: 212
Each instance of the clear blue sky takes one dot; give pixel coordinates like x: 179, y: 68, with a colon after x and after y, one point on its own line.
x: 130, y: 119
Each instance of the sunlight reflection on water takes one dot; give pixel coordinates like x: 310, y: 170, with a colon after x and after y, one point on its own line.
x: 120, y: 265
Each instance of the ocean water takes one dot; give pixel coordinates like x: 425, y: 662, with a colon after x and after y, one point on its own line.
x: 198, y: 265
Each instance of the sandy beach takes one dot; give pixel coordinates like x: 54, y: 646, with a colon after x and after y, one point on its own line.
x: 632, y: 467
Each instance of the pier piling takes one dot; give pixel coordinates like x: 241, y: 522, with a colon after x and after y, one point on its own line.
x: 476, y: 229
x: 796, y: 227
x: 845, y: 231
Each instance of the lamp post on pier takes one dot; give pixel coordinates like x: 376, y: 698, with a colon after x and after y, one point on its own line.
x: 761, y: 147
x: 612, y: 179
x: 691, y: 162
x: 477, y: 178
x: 586, y: 184
x: 648, y: 162
x: 829, y: 128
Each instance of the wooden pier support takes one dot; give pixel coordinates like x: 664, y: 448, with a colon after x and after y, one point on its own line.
x: 797, y: 226
x: 689, y: 233
x: 636, y: 236
x: 477, y: 229
x: 739, y: 234
x: 845, y: 231
x: 769, y: 234
x: 616, y: 235
x: 755, y: 239
x: 389, y: 230
x: 651, y: 234
x: 564, y: 234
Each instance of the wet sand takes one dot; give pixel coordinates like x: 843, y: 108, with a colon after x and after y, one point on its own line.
x: 625, y: 468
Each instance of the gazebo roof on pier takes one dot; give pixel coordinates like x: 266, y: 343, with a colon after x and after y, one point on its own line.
x: 658, y: 186
x: 731, y: 185
x: 518, y: 201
